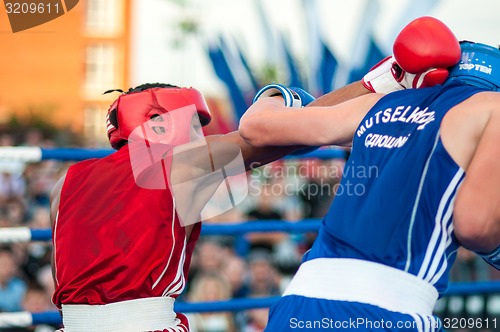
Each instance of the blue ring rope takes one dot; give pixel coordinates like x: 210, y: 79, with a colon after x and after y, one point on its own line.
x: 79, y: 154
x: 74, y: 154
x: 44, y: 234
x: 305, y: 225
x: 470, y: 288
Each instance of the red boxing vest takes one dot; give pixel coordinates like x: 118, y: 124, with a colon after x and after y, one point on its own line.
x: 115, y: 241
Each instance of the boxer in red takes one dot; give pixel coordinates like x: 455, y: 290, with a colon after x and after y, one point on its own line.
x: 121, y: 252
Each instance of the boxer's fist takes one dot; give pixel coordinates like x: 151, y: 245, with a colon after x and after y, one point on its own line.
x: 423, y: 52
x: 293, y: 97
x: 426, y: 43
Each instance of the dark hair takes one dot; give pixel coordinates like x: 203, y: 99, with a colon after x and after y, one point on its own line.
x: 146, y: 86
x: 143, y: 87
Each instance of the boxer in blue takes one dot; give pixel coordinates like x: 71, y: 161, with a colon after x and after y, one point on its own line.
x: 430, y: 184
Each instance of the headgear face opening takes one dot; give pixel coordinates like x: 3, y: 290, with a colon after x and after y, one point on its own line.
x: 479, y: 66
x: 152, y: 106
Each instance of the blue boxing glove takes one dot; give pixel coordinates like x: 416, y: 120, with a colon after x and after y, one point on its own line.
x: 294, y: 97
x: 492, y: 258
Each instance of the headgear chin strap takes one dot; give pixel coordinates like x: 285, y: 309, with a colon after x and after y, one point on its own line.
x: 479, y: 66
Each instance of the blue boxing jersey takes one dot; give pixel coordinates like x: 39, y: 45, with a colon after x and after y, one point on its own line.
x: 394, y: 205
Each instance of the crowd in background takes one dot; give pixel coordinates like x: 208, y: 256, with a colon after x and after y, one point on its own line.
x: 223, y: 267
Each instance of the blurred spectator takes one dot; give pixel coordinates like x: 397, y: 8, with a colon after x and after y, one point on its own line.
x: 319, y: 189
x: 35, y: 299
x: 6, y: 140
x: 40, y: 179
x: 265, y: 209
x: 266, y: 204
x: 40, y: 217
x: 38, y: 253
x: 33, y: 137
x: 12, y: 183
x: 16, y: 211
x: 469, y: 267
x: 210, y: 256
x: 235, y: 272
x: 12, y: 288
x: 210, y: 287
x: 4, y: 221
x: 494, y: 273
x: 257, y: 320
x: 264, y: 279
x: 287, y: 257
x: 11, y: 180
x: 45, y: 280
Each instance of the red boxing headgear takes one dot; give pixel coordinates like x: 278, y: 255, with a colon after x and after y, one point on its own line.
x: 133, y: 109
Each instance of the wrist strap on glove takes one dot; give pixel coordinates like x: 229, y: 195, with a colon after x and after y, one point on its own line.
x: 384, y: 77
x: 292, y: 99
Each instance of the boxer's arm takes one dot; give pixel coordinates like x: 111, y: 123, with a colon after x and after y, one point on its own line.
x: 476, y: 215
x: 54, y: 206
x: 268, y: 122
x: 191, y: 162
x: 255, y: 156
x: 54, y: 199
x: 341, y: 95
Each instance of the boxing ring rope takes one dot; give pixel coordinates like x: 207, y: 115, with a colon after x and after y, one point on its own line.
x: 25, y: 234
x: 37, y: 154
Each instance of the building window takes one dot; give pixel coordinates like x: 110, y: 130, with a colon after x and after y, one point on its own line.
x: 103, y: 16
x: 95, y: 126
x: 100, y: 68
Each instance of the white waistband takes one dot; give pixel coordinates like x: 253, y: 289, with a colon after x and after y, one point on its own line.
x: 149, y: 314
x: 366, y: 282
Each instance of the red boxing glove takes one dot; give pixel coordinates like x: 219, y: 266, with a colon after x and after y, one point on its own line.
x: 426, y: 43
x: 423, y: 51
